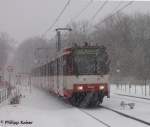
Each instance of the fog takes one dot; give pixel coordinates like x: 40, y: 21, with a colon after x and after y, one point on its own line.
x: 125, y: 34
x: 26, y: 18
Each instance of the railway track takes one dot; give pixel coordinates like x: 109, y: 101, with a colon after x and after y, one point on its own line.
x: 126, y: 115
x: 87, y: 112
x: 95, y: 118
x: 115, y: 111
x: 134, y: 99
x: 133, y: 96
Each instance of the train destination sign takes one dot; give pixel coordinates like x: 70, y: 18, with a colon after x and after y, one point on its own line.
x: 85, y: 51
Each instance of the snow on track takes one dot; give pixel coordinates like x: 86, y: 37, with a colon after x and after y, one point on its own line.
x: 97, y: 119
x: 140, y: 111
x: 45, y: 111
x: 113, y: 119
x: 133, y: 99
x: 131, y: 96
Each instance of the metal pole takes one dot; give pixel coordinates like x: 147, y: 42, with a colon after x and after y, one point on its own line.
x: 58, y: 43
x: 0, y: 96
x: 129, y: 87
x: 145, y: 88
x: 121, y: 86
x: 9, y: 78
x: 149, y: 89
x: 125, y: 88
x: 30, y: 83
x: 135, y: 88
x: 142, y: 88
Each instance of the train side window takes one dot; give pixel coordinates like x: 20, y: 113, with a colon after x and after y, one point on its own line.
x: 39, y: 71
x: 45, y: 69
x: 40, y: 74
x: 55, y: 67
x: 64, y: 64
x: 0, y: 78
x: 59, y: 66
x: 42, y: 71
x: 49, y: 69
x: 69, y: 64
x: 52, y: 68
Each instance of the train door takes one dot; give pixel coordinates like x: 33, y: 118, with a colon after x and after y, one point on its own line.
x: 55, y: 76
x: 60, y: 76
x: 52, y: 74
x: 48, y: 76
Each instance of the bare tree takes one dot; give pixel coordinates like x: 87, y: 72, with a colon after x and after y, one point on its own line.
x: 26, y: 53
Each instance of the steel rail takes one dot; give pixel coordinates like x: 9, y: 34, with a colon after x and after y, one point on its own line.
x: 138, y: 100
x: 126, y: 115
x: 132, y: 96
x: 95, y: 118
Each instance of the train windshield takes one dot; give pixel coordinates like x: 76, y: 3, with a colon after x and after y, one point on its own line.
x: 85, y: 64
x: 90, y: 62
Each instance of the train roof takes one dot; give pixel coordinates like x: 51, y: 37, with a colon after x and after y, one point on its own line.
x: 67, y: 50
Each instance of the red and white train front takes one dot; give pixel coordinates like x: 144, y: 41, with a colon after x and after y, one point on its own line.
x: 87, y: 81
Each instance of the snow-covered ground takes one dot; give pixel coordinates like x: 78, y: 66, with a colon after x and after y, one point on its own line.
x: 45, y: 110
x: 113, y: 119
x: 141, y: 109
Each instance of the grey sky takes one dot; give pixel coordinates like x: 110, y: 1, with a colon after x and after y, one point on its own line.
x: 26, y: 18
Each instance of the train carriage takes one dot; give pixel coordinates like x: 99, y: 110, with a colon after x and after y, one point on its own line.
x: 79, y: 74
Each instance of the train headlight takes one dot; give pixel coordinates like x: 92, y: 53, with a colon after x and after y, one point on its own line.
x: 80, y: 88
x: 101, y: 87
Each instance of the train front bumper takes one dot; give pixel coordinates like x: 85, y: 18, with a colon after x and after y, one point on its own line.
x: 88, y: 88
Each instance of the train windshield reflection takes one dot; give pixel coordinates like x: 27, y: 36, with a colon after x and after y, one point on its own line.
x: 85, y: 64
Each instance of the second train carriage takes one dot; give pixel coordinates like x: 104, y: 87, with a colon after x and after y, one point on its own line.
x: 79, y: 74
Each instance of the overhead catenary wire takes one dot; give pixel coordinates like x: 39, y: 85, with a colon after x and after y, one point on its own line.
x: 57, y: 18
x: 83, y: 10
x: 117, y: 7
x: 119, y: 10
x: 99, y: 10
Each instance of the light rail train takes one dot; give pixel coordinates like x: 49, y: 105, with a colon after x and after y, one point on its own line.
x: 79, y: 74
